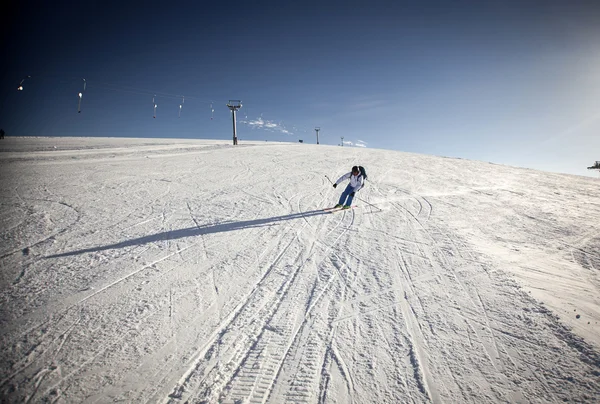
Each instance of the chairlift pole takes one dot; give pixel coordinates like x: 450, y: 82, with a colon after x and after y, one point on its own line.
x: 233, y: 106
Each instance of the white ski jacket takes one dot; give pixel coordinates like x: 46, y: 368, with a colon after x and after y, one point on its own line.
x: 356, y: 181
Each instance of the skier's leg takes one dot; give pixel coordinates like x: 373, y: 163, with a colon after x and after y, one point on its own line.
x: 344, y: 195
x: 350, y: 198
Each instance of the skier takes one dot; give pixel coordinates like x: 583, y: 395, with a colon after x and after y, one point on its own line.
x: 356, y: 183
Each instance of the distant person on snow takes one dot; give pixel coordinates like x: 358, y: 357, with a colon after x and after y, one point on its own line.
x: 1, y: 133
x: 356, y: 183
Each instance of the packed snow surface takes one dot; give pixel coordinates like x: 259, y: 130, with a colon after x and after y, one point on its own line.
x: 143, y: 270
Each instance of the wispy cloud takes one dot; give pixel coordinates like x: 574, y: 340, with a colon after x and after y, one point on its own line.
x: 260, y: 123
x: 358, y: 143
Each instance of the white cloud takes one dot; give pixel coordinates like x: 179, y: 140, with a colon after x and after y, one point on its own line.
x: 260, y: 123
x: 358, y: 143
x: 257, y: 122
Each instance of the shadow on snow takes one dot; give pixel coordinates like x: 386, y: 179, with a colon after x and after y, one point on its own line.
x: 194, y: 231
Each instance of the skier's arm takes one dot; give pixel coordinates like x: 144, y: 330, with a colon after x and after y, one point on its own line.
x: 343, y: 178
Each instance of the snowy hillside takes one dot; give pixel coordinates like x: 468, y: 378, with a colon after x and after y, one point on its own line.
x: 154, y: 270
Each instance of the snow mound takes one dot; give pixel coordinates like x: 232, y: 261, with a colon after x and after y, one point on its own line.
x: 167, y: 270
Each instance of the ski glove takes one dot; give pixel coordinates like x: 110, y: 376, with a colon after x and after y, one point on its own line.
x: 352, y: 194
x: 334, y: 185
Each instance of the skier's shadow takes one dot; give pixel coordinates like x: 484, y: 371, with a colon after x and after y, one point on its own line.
x: 194, y: 231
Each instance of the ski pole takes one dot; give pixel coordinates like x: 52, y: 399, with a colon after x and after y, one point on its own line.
x: 362, y: 200
x: 329, y: 179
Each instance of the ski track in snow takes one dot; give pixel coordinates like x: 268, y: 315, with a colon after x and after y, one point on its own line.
x: 171, y: 271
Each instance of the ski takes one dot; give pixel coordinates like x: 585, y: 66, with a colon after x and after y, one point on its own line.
x: 335, y: 210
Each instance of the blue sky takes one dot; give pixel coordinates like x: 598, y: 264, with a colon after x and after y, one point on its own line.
x: 508, y: 82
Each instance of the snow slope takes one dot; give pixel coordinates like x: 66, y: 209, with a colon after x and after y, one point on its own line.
x: 155, y: 270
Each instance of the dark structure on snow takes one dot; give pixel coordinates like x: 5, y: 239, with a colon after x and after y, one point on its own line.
x: 596, y: 166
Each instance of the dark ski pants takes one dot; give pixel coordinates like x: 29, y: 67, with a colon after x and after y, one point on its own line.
x: 346, y: 194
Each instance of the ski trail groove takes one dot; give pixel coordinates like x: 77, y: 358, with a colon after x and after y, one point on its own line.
x: 227, y: 323
x: 248, y: 362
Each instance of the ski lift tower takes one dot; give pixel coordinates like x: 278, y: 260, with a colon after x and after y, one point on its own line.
x: 596, y: 166
x: 317, y: 129
x: 234, y: 105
